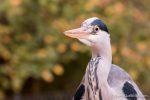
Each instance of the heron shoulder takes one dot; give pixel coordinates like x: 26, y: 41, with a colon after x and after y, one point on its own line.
x: 118, y: 75
x: 120, y: 79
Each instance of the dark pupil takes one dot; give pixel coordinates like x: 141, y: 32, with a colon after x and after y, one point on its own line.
x: 96, y: 29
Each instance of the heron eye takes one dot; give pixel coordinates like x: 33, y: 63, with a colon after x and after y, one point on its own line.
x: 96, y: 29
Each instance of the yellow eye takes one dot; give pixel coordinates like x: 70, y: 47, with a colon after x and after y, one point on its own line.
x: 95, y: 29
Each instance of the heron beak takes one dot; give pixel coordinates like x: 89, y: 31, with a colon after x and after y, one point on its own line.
x: 77, y: 33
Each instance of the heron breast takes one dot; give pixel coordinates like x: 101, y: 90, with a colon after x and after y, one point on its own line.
x: 93, y: 78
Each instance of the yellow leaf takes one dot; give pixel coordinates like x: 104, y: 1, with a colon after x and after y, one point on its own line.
x: 141, y: 46
x: 91, y: 4
x: 47, y: 76
x: 127, y: 52
x: 58, y: 69
x: 75, y: 46
x: 42, y: 53
x: 61, y: 24
x: 48, y: 39
x: 61, y: 48
x: 118, y: 8
x: 6, y: 55
x: 138, y: 16
x: 15, y: 3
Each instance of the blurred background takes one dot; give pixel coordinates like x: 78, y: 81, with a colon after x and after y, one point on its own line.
x: 38, y: 62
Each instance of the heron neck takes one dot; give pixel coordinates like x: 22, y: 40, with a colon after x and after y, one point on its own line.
x: 105, y: 53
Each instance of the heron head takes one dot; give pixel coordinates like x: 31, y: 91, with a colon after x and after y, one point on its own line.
x: 93, y: 32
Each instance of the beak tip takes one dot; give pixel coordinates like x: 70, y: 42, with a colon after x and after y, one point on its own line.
x: 66, y: 32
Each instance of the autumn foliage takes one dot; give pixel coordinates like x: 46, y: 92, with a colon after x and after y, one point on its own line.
x: 33, y: 49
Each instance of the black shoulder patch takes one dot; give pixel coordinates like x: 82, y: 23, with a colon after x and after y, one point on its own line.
x: 129, y: 91
x: 79, y: 93
x: 100, y: 24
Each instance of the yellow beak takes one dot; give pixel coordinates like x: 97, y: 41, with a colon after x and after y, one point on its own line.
x: 77, y: 33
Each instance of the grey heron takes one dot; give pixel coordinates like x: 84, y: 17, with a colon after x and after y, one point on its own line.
x: 102, y: 80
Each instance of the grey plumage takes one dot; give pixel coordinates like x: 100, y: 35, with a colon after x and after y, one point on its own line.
x: 102, y: 80
x: 116, y: 75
